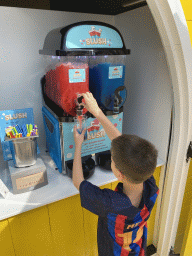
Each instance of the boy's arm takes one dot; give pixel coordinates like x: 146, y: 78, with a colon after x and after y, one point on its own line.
x: 77, y: 168
x: 92, y: 106
x: 108, y: 126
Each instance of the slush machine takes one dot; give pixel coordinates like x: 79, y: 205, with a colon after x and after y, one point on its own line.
x: 82, y: 57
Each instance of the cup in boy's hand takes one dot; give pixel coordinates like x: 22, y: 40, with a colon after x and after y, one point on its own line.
x: 91, y: 104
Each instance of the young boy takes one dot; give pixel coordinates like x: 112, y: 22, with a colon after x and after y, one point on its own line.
x: 123, y: 213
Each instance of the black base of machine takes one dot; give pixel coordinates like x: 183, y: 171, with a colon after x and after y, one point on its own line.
x: 88, y: 166
x: 103, y: 159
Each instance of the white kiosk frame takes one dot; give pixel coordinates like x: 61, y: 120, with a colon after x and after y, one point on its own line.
x: 171, y: 23
x: 172, y: 27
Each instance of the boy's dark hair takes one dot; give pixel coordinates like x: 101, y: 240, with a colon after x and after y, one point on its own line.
x: 135, y: 157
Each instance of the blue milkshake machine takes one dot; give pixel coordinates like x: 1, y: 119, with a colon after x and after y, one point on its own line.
x: 81, y: 57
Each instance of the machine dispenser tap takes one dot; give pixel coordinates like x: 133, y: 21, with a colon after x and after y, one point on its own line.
x: 116, y: 104
x: 79, y: 108
x: 118, y: 99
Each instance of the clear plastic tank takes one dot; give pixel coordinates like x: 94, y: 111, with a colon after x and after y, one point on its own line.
x: 65, y: 77
x: 106, y: 80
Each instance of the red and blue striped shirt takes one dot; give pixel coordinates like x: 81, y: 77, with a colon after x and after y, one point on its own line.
x: 122, y: 227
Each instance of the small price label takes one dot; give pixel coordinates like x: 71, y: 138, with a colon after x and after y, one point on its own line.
x: 76, y: 75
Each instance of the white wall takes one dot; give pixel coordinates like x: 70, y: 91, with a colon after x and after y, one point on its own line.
x: 147, y: 110
x: 22, y: 34
x: 148, y: 106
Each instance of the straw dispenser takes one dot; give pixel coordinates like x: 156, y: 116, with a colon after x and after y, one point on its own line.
x: 26, y: 170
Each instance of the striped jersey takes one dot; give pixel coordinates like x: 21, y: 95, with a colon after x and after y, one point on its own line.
x: 122, y: 227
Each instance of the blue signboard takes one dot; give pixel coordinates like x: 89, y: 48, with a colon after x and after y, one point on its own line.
x: 12, y: 118
x: 93, y: 36
x: 97, y: 140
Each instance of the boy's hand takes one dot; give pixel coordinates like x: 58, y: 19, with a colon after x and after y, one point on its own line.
x: 78, y: 138
x: 91, y: 104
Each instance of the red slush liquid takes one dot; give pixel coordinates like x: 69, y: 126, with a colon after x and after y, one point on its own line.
x: 61, y: 91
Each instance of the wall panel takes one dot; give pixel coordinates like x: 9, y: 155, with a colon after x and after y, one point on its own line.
x: 31, y: 233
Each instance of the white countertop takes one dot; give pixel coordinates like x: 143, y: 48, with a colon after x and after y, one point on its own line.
x: 59, y: 186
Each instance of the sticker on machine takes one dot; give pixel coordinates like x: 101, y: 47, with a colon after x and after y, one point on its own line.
x: 76, y: 75
x: 115, y: 72
x: 69, y: 155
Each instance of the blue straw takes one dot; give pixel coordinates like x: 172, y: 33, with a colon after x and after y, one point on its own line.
x: 24, y: 132
x: 18, y: 128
